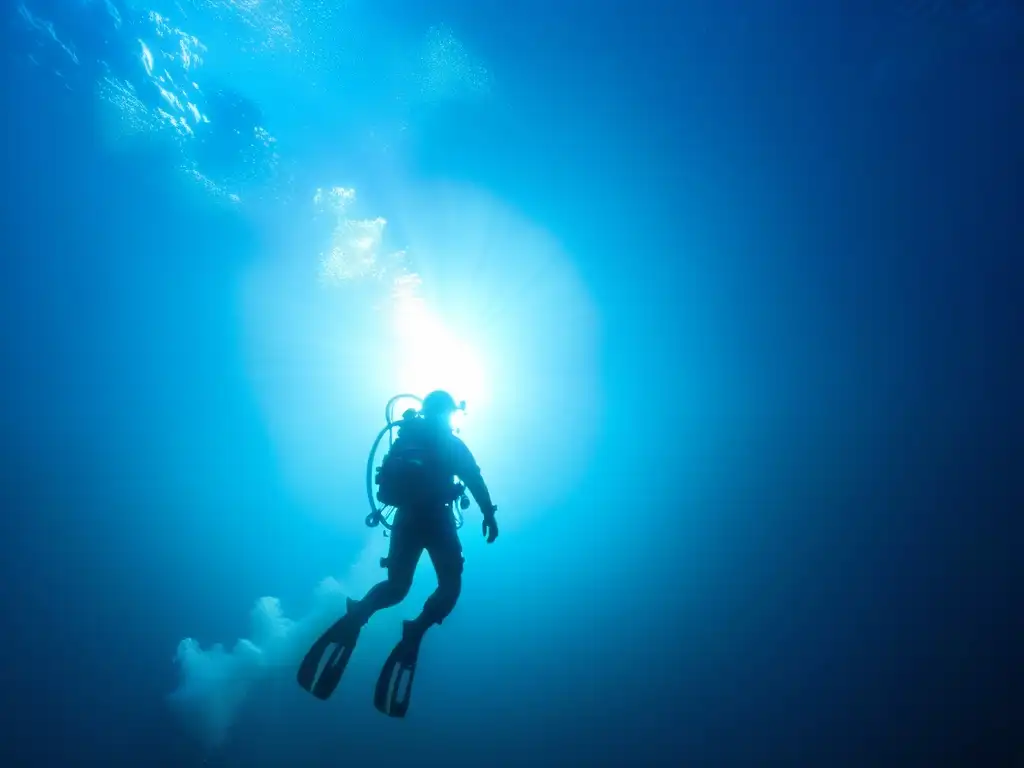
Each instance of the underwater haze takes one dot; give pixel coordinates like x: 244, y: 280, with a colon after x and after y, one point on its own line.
x: 732, y: 292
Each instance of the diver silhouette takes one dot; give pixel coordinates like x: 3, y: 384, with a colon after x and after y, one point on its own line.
x: 417, y: 478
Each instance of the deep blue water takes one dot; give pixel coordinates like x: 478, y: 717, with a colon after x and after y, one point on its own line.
x: 733, y: 298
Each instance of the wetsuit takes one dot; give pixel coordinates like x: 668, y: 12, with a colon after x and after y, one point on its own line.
x: 428, y: 524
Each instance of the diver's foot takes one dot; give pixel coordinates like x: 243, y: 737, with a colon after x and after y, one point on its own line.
x: 348, y: 624
x: 413, y: 631
x: 352, y: 609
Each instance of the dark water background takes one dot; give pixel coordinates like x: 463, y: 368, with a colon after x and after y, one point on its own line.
x: 795, y: 538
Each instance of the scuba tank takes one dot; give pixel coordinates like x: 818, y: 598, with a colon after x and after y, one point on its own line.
x: 401, y: 475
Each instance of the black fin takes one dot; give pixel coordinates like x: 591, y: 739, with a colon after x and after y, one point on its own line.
x: 394, y: 686
x: 342, y: 636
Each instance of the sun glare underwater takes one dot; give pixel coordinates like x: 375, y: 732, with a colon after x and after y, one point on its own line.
x: 469, y: 297
x: 479, y: 303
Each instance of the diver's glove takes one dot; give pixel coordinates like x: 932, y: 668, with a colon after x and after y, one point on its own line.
x: 490, y: 526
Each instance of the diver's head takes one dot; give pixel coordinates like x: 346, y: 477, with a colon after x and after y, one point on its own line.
x: 439, y: 406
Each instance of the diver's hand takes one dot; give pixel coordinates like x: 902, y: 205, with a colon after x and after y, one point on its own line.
x: 490, y: 527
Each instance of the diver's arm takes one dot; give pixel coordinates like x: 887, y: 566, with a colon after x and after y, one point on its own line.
x: 469, y: 473
x: 476, y: 485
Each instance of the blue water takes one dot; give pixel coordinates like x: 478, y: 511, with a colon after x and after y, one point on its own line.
x: 731, y: 296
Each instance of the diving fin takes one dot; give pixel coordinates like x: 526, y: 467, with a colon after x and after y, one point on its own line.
x: 343, y: 634
x: 398, y: 673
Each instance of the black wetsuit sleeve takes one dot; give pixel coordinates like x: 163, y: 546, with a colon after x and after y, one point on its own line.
x: 469, y: 472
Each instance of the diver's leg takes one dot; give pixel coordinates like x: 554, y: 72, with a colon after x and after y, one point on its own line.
x: 340, y: 638
x: 445, y: 552
x: 394, y: 685
x: 403, y: 554
x: 384, y: 594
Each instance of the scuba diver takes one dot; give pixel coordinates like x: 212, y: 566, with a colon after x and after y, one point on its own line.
x: 417, y: 478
